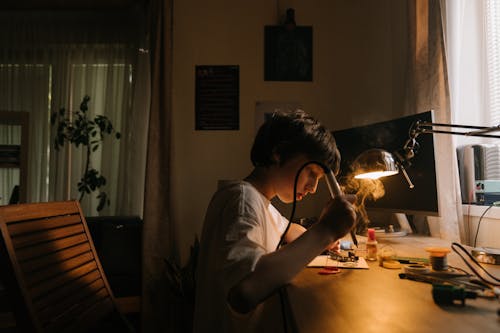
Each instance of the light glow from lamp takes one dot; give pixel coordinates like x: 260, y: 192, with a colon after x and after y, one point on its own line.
x: 374, y: 164
x: 375, y: 174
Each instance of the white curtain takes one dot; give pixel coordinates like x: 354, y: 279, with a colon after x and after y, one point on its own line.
x: 472, y: 34
x: 472, y: 40
x: 465, y: 47
x: 50, y: 60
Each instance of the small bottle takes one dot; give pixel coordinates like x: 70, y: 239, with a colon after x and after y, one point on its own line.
x: 371, y: 245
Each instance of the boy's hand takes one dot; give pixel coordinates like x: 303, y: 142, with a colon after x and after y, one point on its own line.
x: 339, y: 215
x: 335, y: 246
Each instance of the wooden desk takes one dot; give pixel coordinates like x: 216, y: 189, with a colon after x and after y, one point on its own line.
x: 377, y: 300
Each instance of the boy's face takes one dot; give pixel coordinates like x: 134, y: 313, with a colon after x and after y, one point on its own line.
x: 307, y: 182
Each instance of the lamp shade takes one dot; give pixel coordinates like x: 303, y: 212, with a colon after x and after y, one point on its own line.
x: 374, y: 163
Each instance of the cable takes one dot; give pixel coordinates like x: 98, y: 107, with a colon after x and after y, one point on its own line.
x: 497, y: 283
x: 468, y: 224
x: 479, y: 223
x: 294, y: 204
x: 282, y: 290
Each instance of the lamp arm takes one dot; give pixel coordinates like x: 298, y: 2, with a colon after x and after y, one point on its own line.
x: 428, y: 127
x: 411, y: 146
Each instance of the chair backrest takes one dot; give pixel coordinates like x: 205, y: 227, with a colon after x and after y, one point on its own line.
x: 56, y: 271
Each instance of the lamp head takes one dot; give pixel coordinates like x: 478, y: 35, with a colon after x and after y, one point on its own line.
x: 375, y: 163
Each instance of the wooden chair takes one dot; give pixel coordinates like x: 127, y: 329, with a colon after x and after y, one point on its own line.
x: 56, y: 277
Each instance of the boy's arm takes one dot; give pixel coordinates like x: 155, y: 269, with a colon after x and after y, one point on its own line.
x: 275, y: 269
x: 294, y: 232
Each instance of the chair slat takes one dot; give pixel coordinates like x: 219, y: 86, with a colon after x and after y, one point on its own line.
x: 50, y: 222
x: 54, y: 270
x: 50, y: 247
x: 39, y: 210
x: 78, y: 298
x: 58, y: 256
x: 34, y: 238
x: 68, y: 289
x: 48, y: 285
x: 59, y: 280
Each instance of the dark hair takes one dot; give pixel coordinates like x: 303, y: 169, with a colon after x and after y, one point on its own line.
x: 290, y: 134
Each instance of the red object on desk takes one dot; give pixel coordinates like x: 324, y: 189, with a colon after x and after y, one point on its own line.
x: 329, y: 270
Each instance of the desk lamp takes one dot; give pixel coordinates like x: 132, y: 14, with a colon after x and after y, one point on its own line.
x: 376, y: 163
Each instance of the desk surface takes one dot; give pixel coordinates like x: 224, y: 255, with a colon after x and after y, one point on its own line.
x: 377, y: 300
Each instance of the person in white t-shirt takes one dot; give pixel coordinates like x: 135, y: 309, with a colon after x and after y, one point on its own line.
x: 240, y: 261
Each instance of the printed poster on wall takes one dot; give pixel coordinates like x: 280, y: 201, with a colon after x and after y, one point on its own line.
x: 217, y: 97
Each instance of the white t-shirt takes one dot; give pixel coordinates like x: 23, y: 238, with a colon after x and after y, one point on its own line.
x: 240, y: 226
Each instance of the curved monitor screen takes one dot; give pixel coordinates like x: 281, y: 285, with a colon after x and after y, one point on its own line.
x: 395, y: 194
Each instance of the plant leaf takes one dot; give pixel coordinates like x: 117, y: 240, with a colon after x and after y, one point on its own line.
x: 80, y: 131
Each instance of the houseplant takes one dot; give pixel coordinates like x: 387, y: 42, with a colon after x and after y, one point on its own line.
x: 181, y: 287
x: 78, y: 128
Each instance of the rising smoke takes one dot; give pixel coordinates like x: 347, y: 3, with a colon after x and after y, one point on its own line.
x: 364, y: 189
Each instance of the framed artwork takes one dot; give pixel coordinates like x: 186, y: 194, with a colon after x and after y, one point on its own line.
x: 288, y: 53
x: 217, y: 97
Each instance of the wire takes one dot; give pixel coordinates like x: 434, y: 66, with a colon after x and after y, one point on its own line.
x: 294, y: 204
x: 479, y: 223
x: 468, y: 224
x: 454, y: 244
x: 282, y: 291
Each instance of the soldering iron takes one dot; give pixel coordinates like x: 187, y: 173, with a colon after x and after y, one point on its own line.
x: 335, y: 191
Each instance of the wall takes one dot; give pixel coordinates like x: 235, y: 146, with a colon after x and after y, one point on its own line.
x: 358, y: 62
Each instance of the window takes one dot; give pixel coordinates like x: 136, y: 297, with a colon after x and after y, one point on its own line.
x: 492, y: 60
x: 52, y: 60
x: 473, y: 56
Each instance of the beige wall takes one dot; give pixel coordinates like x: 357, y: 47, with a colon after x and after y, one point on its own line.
x: 357, y: 79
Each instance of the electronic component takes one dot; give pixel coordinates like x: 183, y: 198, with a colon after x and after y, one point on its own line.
x: 351, y: 256
x: 445, y: 294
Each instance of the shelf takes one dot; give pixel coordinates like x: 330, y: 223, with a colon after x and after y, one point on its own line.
x: 10, y: 156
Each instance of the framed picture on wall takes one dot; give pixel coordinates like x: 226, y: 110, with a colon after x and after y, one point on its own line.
x: 265, y: 109
x: 288, y: 53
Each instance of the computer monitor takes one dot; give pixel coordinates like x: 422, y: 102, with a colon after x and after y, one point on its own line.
x: 391, y: 136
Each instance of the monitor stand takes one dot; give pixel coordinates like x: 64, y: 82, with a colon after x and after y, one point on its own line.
x: 388, y: 225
